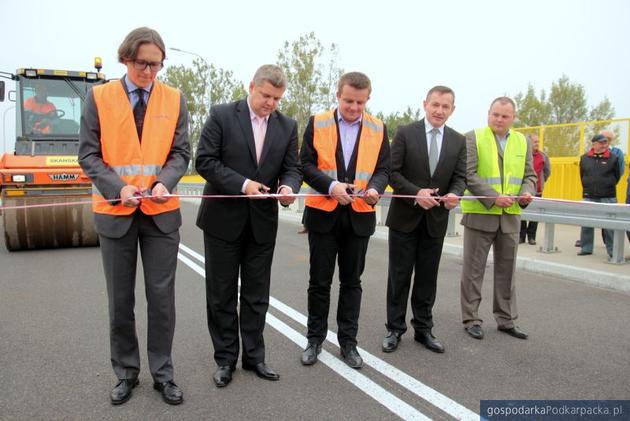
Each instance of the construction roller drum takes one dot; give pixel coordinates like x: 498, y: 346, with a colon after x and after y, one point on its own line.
x: 48, y: 227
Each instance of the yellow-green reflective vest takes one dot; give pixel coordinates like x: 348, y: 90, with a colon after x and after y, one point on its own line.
x: 514, y: 158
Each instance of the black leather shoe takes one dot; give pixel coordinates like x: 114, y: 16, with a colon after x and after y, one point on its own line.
x: 429, y: 341
x: 521, y: 241
x: 309, y: 356
x: 578, y: 243
x: 531, y: 242
x: 583, y: 253
x: 391, y: 341
x: 351, y: 356
x: 171, y: 393
x: 514, y: 331
x: 475, y: 331
x: 263, y: 371
x: 122, y: 392
x: 223, y: 376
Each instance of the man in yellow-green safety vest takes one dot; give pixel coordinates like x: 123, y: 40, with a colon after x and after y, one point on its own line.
x: 499, y: 168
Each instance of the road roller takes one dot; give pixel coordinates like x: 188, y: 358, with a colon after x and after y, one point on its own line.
x: 45, y: 194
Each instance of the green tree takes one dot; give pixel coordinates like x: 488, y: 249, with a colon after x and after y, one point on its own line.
x: 566, y: 104
x: 312, y: 75
x: 202, y: 84
x: 394, y: 120
x: 532, y: 110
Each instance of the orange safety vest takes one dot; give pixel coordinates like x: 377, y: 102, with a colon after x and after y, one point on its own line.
x: 32, y: 105
x: 44, y: 108
x: 325, y: 143
x: 136, y: 163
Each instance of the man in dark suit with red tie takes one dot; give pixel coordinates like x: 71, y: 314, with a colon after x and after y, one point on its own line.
x: 247, y: 148
x: 428, y: 160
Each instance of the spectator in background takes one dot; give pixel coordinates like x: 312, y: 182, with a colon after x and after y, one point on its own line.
x: 542, y: 168
x: 610, y: 135
x: 599, y: 173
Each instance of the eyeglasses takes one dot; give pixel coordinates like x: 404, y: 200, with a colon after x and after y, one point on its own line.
x: 143, y: 64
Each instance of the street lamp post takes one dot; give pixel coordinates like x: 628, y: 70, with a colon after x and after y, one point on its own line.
x: 206, y: 81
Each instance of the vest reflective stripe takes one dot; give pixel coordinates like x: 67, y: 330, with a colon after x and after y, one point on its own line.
x: 325, y: 143
x: 514, y: 158
x: 136, y: 163
x: 128, y: 170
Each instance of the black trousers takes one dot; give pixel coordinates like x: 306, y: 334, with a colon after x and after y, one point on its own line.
x: 159, y: 261
x: 528, y: 230
x: 224, y: 260
x: 406, y: 251
x: 350, y: 249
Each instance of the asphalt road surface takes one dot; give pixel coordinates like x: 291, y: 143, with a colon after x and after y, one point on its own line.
x: 54, y: 345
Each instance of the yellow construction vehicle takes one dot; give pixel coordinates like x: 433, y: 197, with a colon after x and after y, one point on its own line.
x: 44, y: 170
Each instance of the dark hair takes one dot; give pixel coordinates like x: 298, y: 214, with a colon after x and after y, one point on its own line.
x: 128, y: 50
x: 504, y: 100
x: 441, y: 90
x: 599, y: 138
x: 357, y: 80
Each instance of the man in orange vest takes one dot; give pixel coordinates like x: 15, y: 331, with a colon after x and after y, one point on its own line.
x: 133, y: 143
x: 42, y: 110
x: 345, y: 156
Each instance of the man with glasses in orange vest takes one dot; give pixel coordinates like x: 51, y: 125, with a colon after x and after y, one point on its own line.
x: 133, y: 144
x: 345, y: 156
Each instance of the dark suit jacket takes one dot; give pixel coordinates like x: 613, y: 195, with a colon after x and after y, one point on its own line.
x: 410, y: 173
x: 363, y: 223
x: 226, y: 157
x: 109, y: 183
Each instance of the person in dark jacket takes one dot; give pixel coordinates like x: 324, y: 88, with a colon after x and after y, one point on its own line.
x: 599, y: 173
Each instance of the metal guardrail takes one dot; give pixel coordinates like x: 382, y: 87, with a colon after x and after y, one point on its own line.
x: 596, y: 215
x: 587, y: 214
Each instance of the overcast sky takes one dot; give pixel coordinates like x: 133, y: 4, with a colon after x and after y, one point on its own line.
x: 481, y: 49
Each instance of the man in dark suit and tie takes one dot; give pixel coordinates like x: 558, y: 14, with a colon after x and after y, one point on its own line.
x: 133, y: 143
x: 345, y: 151
x: 246, y: 148
x: 428, y: 160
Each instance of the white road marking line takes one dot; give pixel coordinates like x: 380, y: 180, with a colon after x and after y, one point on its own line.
x: 415, y: 386
x: 369, y: 387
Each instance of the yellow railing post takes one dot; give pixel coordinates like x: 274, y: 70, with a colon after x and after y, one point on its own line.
x: 581, y: 145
